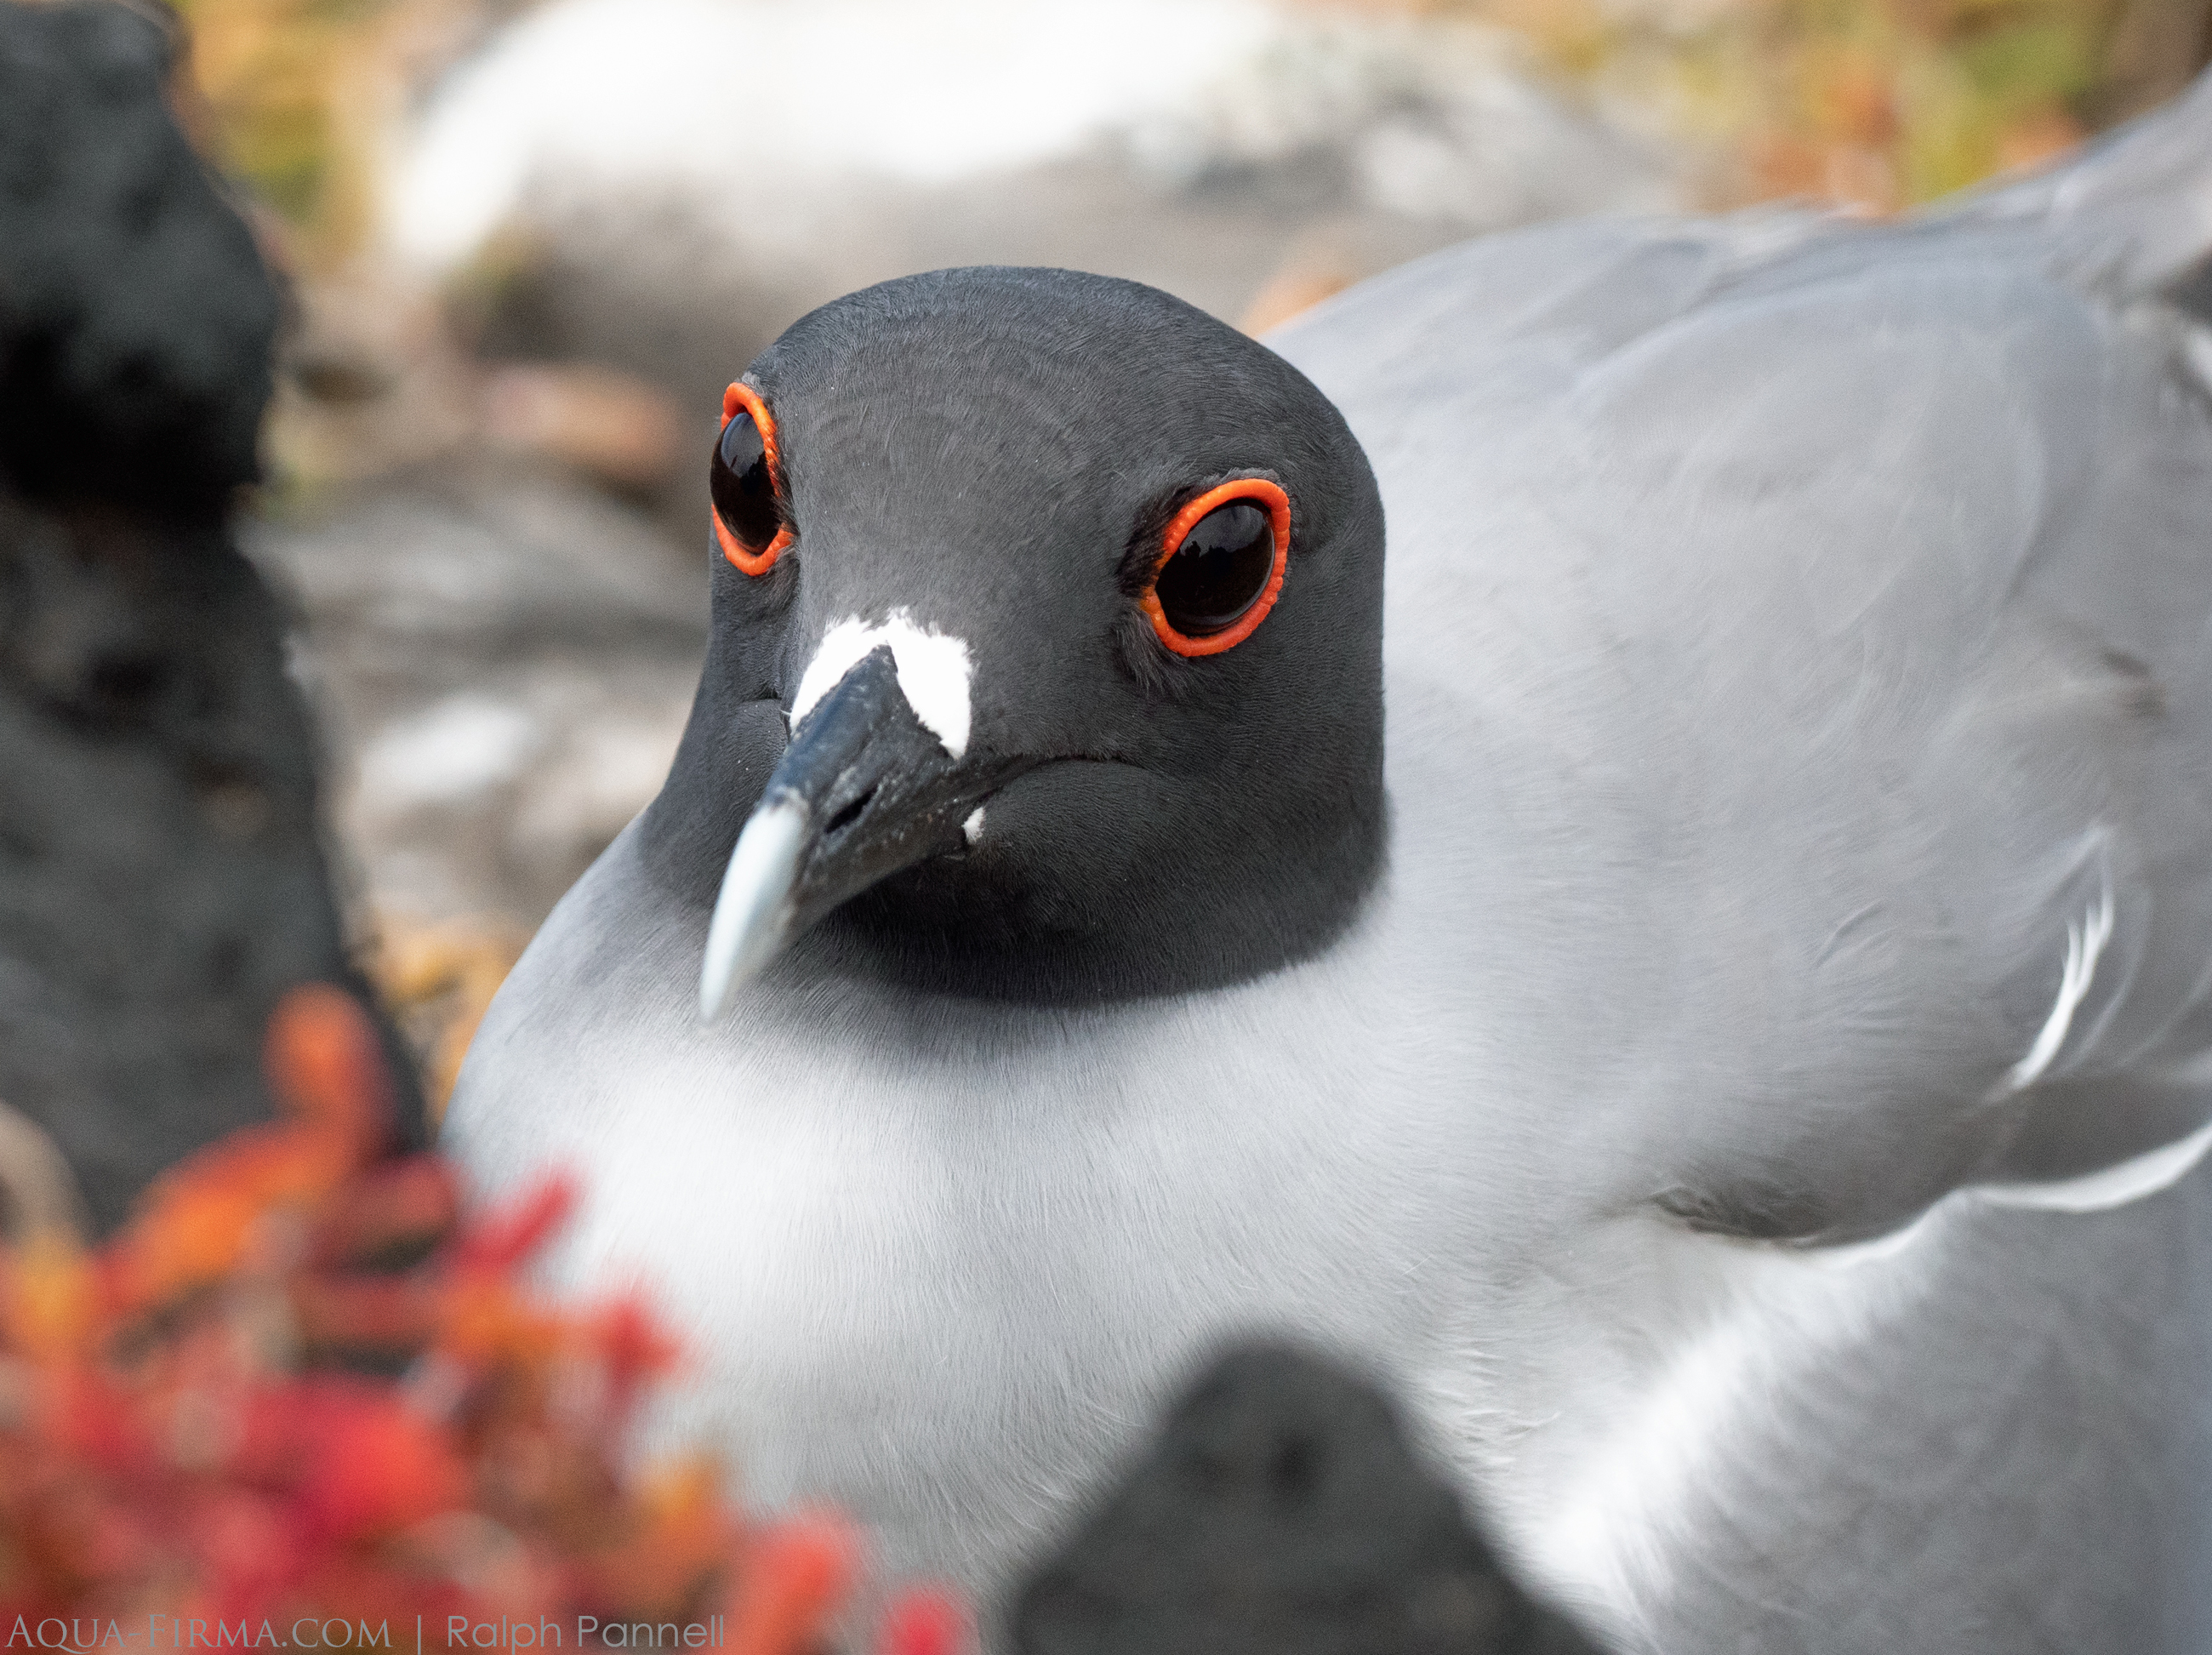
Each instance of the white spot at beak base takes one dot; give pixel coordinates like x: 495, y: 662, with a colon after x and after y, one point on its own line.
x: 934, y: 673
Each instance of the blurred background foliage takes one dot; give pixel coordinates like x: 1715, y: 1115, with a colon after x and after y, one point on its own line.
x: 299, y: 97
x: 1876, y: 104
x: 1872, y: 104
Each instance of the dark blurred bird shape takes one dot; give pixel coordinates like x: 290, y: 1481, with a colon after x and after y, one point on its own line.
x: 1702, y: 977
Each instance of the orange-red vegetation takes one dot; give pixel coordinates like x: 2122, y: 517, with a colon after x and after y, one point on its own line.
x: 184, y: 1458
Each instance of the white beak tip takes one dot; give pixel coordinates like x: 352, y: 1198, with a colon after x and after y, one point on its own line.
x: 752, y: 915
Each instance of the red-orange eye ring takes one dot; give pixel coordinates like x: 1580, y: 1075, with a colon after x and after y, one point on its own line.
x: 1277, y: 504
x: 742, y: 398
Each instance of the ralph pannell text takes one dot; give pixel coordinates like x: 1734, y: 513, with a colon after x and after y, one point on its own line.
x: 81, y: 1636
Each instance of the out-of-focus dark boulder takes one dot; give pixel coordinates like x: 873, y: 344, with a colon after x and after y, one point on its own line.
x: 1282, y: 1511
x: 161, y: 878
x: 136, y: 318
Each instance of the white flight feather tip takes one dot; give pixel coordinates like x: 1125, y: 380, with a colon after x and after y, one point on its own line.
x: 2085, y: 942
x: 2118, y: 1185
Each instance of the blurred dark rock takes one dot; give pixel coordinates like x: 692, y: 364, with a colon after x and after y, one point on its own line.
x: 136, y: 318
x: 1283, y: 1510
x: 162, y: 879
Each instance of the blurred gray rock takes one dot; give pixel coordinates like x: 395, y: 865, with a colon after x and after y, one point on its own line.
x: 503, y: 657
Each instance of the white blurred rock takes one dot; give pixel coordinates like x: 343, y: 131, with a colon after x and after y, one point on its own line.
x: 449, y: 753
x: 753, y: 100
x: 603, y: 773
x: 826, y: 144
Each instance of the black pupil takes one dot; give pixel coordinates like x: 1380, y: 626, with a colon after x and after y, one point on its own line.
x: 745, y: 494
x: 1218, y: 571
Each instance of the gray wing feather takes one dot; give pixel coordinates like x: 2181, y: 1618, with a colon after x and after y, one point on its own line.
x: 1879, y: 559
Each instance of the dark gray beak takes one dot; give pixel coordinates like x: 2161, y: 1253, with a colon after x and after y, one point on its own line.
x: 864, y: 790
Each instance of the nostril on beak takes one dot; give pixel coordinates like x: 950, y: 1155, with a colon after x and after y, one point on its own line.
x: 850, y: 814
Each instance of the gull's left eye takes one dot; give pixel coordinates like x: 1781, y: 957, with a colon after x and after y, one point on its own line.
x: 1221, y: 565
x: 749, y: 520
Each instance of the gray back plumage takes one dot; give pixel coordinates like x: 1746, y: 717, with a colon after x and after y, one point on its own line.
x: 1878, y: 562
x: 1836, y: 600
